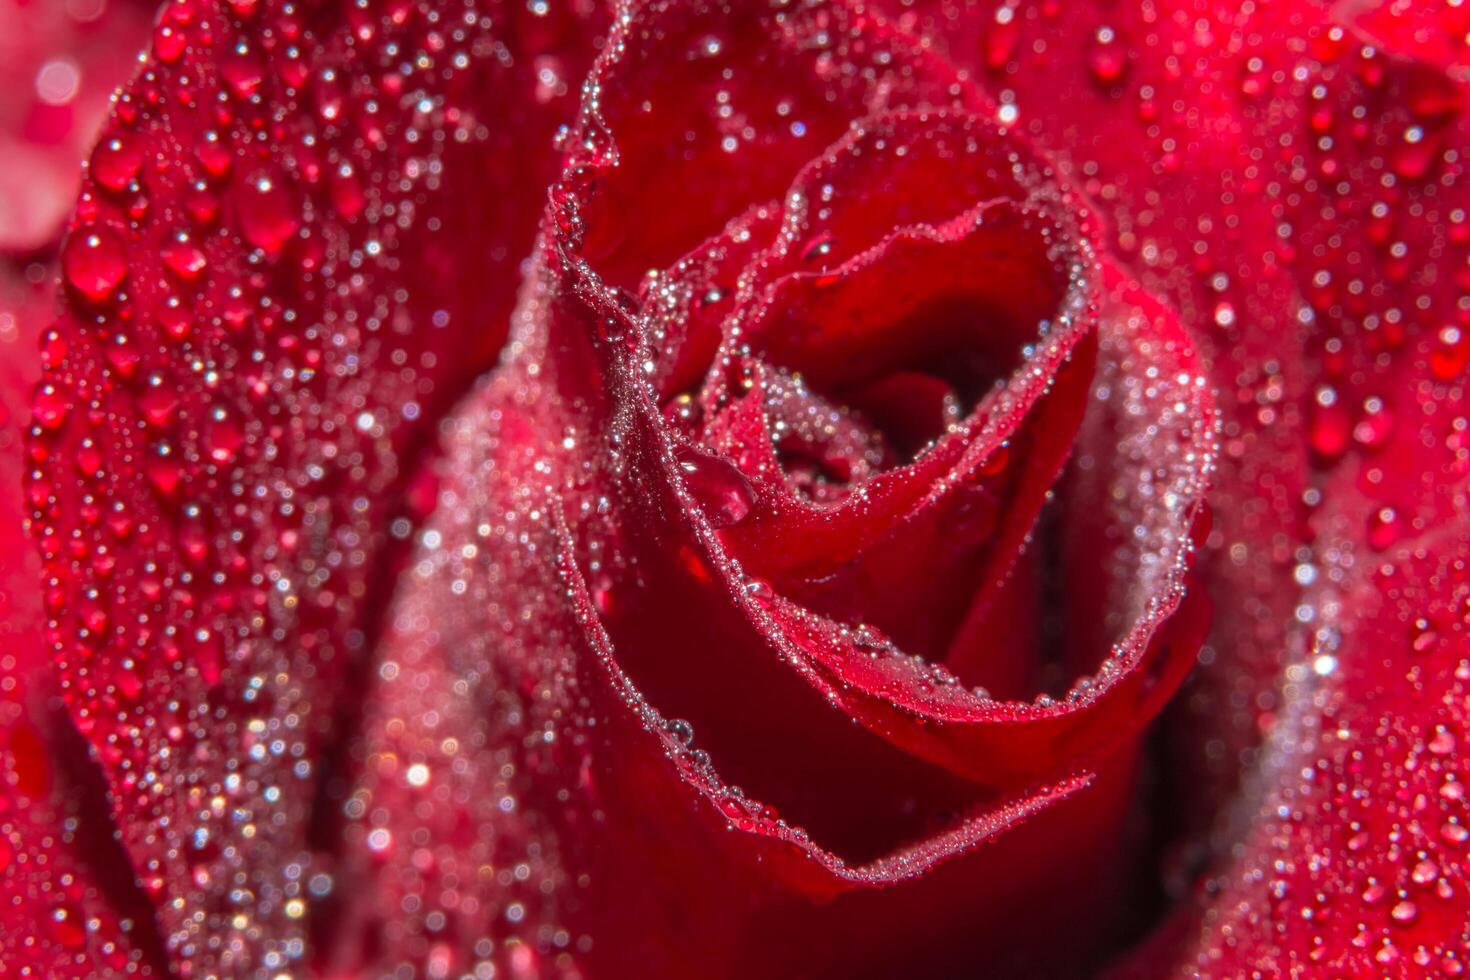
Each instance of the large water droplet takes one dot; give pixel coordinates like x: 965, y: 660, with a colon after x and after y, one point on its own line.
x: 722, y: 491
x: 116, y: 161
x: 94, y: 262
x: 1108, y: 57
x: 268, y: 216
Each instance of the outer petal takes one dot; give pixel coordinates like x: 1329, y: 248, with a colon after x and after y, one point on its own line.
x: 262, y: 322
x: 1357, y: 858
x: 68, y: 904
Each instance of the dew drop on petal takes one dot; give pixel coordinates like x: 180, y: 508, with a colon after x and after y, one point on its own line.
x: 94, y: 262
x: 722, y: 491
x: 268, y: 216
x: 116, y: 161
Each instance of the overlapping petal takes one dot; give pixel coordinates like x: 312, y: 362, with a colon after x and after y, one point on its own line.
x: 627, y: 581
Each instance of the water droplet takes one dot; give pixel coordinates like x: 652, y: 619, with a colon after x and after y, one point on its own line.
x: 184, y: 260
x: 722, y: 491
x: 1424, y: 872
x: 1001, y: 35
x: 1107, y: 58
x: 116, y: 161
x: 1423, y: 637
x: 214, y: 155
x: 1384, y: 528
x: 223, y: 439
x: 49, y: 407
x: 159, y: 404
x: 241, y: 71
x: 165, y: 474
x: 94, y: 262
x: 168, y: 43
x: 680, y: 731
x: 268, y: 215
x: 1330, y: 428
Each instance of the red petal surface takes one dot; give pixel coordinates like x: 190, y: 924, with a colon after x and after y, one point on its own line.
x: 1357, y: 860
x: 68, y: 904
x: 1156, y: 109
x: 297, y: 242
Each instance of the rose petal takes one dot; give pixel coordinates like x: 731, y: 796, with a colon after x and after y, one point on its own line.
x: 739, y: 139
x: 69, y: 905
x: 999, y: 742
x: 1355, y: 847
x: 1357, y: 862
x: 264, y: 320
x: 983, y: 281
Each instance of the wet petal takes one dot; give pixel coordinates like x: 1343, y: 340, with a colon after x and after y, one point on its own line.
x: 298, y: 243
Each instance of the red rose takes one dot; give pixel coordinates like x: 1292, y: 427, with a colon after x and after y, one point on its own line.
x: 806, y: 586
